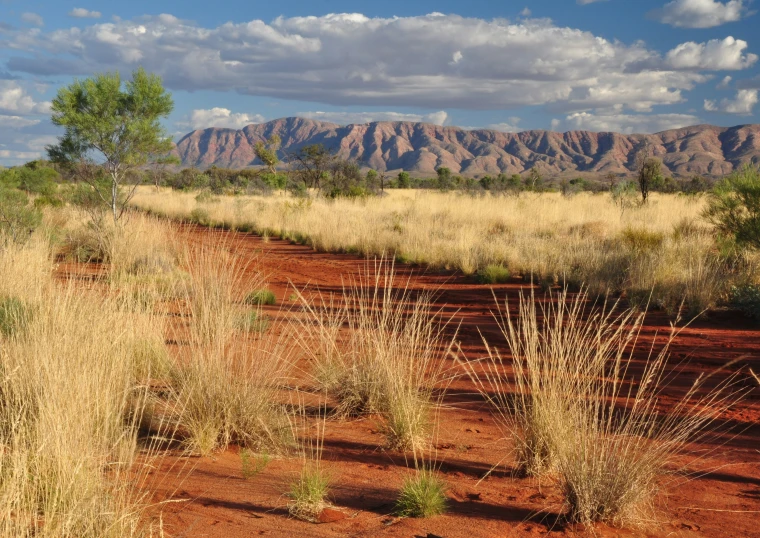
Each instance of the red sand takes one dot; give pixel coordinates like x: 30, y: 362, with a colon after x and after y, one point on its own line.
x: 721, y: 498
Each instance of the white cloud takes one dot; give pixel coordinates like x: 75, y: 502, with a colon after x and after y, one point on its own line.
x: 716, y: 54
x: 32, y: 18
x: 16, y: 122
x: 742, y: 104
x: 725, y: 83
x: 218, y: 117
x: 510, y: 126
x: 610, y: 121
x: 19, y: 156
x: 699, y: 13
x: 351, y: 59
x: 16, y: 100
x: 346, y: 118
x: 584, y: 2
x: 82, y: 13
x: 526, y: 12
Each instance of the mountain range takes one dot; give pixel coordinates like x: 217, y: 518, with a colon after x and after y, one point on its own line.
x: 420, y: 148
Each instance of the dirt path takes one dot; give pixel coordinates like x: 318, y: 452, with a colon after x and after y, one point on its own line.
x: 220, y: 503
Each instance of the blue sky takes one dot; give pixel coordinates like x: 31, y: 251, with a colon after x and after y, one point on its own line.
x: 599, y: 65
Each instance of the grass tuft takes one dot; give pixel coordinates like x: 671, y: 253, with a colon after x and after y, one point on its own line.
x: 494, y: 274
x: 422, y: 495
x: 261, y: 297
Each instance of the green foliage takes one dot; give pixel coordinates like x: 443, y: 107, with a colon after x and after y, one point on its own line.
x: 404, y: 180
x: 121, y: 128
x: 261, y: 297
x: 624, y: 195
x: 253, y: 463
x: 444, y: 181
x: 494, y: 274
x: 267, y: 153
x: 641, y: 239
x: 422, y: 495
x: 734, y: 207
x: 17, y: 217
x: 15, y: 316
x: 649, y: 176
x: 200, y: 216
x: 747, y: 299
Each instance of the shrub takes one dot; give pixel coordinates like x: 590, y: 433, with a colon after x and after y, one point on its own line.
x: 734, y: 206
x: 261, y: 297
x: 494, y: 274
x: 200, y: 216
x: 747, y: 299
x: 641, y: 239
x: 15, y: 316
x: 253, y: 464
x: 17, y: 218
x: 422, y: 495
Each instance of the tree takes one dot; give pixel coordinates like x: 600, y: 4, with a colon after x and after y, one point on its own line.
x: 734, y: 206
x: 119, y: 128
x: 404, y: 180
x: 444, y: 180
x: 534, y: 181
x: 311, y: 164
x: 267, y: 153
x: 649, y: 176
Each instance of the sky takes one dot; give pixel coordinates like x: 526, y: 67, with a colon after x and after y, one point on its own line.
x: 630, y: 66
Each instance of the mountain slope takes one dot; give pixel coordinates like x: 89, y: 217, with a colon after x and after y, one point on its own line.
x: 421, y: 147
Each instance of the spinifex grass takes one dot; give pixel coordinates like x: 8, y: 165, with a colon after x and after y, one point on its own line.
x: 310, y: 489
x: 422, y: 495
x: 389, y: 360
x: 586, y: 413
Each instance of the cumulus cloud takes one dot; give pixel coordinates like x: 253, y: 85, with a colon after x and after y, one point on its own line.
x: 610, y: 121
x: 725, y: 83
x: 82, y: 13
x: 700, y: 13
x: 15, y: 99
x: 742, y: 104
x: 716, y: 55
x: 511, y: 126
x: 346, y: 118
x: 431, y: 61
x: 218, y: 117
x: 32, y: 18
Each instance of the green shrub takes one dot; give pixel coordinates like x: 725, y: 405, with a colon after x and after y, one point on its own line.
x: 747, y: 299
x: 200, y: 216
x: 734, y: 207
x: 422, y: 495
x: 17, y: 218
x: 15, y: 316
x: 494, y: 274
x: 261, y: 297
x: 253, y: 463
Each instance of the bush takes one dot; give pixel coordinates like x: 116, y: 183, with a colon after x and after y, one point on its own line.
x: 200, y: 216
x: 747, y: 299
x: 261, y: 297
x: 494, y: 274
x: 641, y: 239
x: 17, y: 218
x: 422, y: 495
x: 15, y: 316
x: 734, y: 207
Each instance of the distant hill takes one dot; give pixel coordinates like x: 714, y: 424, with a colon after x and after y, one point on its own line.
x: 420, y: 147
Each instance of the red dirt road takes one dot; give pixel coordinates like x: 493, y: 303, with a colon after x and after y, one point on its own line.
x: 721, y: 498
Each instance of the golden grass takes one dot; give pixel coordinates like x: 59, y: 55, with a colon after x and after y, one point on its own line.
x: 546, y: 238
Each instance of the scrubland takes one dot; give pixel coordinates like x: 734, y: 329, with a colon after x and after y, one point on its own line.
x: 662, y: 252
x: 164, y: 352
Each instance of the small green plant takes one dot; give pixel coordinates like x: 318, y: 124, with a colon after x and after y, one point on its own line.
x: 17, y: 218
x: 494, y: 274
x: 747, y: 299
x: 15, y: 316
x: 253, y: 463
x: 254, y: 322
x: 260, y: 297
x: 422, y: 495
x: 308, y: 493
x: 293, y: 297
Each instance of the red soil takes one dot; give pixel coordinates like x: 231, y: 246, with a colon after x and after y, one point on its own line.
x: 720, y: 499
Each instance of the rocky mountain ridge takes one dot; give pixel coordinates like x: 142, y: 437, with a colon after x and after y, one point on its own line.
x: 420, y: 148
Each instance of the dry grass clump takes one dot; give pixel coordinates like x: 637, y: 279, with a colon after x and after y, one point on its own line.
x: 586, y: 414
x: 227, y: 390
x: 70, y: 408
x: 379, y: 350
